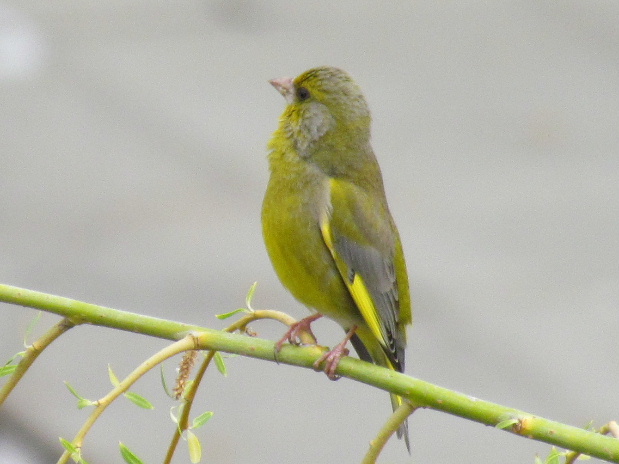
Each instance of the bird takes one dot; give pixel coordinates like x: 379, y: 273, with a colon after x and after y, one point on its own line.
x: 327, y: 226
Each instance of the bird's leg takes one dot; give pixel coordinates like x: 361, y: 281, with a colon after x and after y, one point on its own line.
x: 332, y: 358
x: 292, y: 334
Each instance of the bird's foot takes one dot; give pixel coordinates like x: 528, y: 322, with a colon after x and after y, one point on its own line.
x: 331, y: 359
x: 292, y: 335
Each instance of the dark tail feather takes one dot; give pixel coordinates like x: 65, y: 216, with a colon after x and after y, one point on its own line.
x: 360, y: 348
x: 396, y: 401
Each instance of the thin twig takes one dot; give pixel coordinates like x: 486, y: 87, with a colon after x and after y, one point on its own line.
x: 187, y: 343
x: 391, y: 426
x: 190, y: 394
x: 31, y: 354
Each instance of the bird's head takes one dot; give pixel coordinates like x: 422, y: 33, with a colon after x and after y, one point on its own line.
x: 323, y: 101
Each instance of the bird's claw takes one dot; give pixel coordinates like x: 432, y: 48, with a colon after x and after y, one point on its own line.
x: 293, y: 334
x: 331, y: 360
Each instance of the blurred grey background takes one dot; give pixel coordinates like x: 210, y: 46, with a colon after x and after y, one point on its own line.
x: 132, y: 168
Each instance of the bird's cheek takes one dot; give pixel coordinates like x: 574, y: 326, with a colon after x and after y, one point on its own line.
x: 315, y: 124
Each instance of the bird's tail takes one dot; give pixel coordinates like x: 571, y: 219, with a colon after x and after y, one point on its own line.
x: 373, y: 352
x: 396, y: 402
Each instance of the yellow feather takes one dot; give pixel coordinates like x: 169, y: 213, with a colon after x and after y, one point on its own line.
x: 357, y: 287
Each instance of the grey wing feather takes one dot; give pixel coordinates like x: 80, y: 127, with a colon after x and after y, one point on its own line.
x: 379, y: 276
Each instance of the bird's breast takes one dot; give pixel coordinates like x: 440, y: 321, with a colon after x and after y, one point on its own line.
x: 292, y: 208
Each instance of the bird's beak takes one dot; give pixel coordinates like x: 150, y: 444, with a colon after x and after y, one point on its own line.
x: 285, y: 86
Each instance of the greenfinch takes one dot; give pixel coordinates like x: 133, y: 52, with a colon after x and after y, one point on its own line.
x: 326, y: 223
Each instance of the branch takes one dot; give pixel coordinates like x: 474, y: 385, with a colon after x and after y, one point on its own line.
x: 241, y: 325
x: 101, y: 405
x: 32, y: 353
x: 396, y: 419
x: 421, y: 394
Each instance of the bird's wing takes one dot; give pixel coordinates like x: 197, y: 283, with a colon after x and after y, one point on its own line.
x: 363, y: 242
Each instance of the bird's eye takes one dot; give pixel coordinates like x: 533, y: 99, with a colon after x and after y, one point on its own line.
x: 303, y: 93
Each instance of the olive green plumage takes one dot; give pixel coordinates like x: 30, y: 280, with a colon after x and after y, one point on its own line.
x: 326, y: 223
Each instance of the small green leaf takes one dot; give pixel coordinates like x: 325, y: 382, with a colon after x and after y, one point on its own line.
x: 202, y: 419
x: 173, y: 415
x: 81, y: 401
x: 538, y: 460
x: 7, y: 370
x: 589, y: 426
x: 506, y: 423
x: 195, y: 448
x: 250, y: 295
x: 74, y: 451
x: 139, y: 400
x: 74, y: 391
x: 84, y: 403
x: 113, y: 379
x: 220, y: 363
x: 15, y: 356
x: 70, y: 447
x: 166, y: 389
x: 31, y: 327
x: 128, y: 455
x: 554, y: 457
x: 231, y: 313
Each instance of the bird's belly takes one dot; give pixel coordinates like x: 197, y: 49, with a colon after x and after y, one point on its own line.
x: 306, y: 268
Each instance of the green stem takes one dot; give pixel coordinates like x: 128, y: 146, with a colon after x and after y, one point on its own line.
x: 420, y: 393
x: 188, y: 398
x: 32, y: 353
x: 190, y: 394
x: 102, y: 404
x: 79, y: 312
x: 390, y: 427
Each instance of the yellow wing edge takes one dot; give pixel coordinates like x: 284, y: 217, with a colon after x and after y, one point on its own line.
x: 357, y: 287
